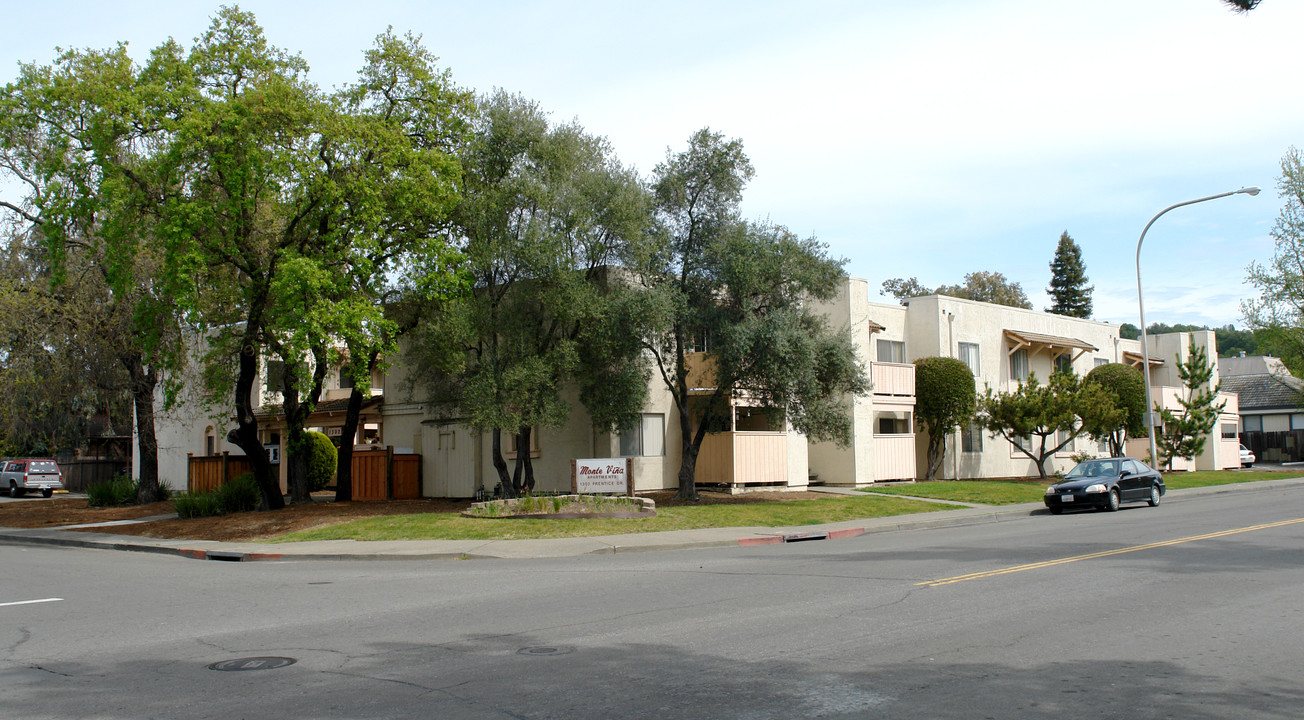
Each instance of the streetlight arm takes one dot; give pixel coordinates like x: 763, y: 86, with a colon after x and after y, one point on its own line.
x: 1145, y: 343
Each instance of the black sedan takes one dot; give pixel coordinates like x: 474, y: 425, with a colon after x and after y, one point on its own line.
x: 1105, y: 483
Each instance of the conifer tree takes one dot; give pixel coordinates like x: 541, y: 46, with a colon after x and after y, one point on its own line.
x: 1069, y: 291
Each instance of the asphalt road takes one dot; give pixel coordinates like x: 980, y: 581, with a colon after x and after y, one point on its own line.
x: 1191, y: 610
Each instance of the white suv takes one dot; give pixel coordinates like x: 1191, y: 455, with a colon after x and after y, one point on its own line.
x: 19, y: 476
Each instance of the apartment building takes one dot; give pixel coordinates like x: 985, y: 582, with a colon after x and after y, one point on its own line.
x: 1001, y: 345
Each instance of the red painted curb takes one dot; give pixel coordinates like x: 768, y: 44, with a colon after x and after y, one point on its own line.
x: 849, y: 532
x: 262, y: 556
x: 194, y: 554
x: 772, y: 540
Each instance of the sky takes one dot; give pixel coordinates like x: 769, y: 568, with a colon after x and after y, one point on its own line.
x: 927, y: 139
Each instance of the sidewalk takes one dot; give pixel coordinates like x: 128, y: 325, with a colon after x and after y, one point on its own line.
x: 563, y: 547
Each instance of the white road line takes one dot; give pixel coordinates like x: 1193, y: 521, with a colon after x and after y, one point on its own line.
x: 31, y: 602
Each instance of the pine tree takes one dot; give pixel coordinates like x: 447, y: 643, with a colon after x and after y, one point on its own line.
x: 1068, y: 281
x: 1184, y: 433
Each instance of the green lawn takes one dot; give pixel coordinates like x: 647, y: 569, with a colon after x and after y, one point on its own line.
x: 982, y: 492
x: 1009, y: 492
x: 1205, y: 478
x: 447, y: 526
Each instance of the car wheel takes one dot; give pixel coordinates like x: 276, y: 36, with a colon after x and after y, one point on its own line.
x: 1112, y: 501
x: 14, y: 492
x: 1055, y: 510
x: 1248, y: 465
x: 1154, y: 496
x: 47, y: 493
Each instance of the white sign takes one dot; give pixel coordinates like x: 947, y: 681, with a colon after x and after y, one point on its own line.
x: 602, y: 476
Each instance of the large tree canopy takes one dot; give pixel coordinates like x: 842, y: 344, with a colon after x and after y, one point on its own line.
x: 1277, y: 314
x: 547, y: 214
x: 990, y: 287
x: 742, y: 292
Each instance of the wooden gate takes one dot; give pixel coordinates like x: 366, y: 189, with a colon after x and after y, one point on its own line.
x: 384, y: 475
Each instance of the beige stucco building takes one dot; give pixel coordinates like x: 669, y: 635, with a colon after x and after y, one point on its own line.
x: 1001, y: 345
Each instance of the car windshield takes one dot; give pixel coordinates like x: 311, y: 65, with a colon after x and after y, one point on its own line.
x: 43, y: 467
x: 1093, y: 468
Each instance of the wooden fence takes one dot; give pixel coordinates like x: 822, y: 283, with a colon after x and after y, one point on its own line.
x: 384, y: 475
x: 211, y: 472
x: 377, y: 474
x: 80, y: 474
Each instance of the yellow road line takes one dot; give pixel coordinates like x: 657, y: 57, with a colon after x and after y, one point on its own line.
x: 1103, y: 553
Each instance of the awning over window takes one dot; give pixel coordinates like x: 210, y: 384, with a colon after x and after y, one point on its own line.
x: 1135, y: 359
x: 1054, y: 345
x: 874, y: 327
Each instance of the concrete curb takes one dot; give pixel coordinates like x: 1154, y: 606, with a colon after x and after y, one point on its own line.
x: 565, y: 547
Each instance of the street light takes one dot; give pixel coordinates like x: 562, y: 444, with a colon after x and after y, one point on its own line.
x: 1145, y: 344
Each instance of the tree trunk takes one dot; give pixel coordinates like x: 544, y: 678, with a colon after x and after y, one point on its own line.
x: 344, y: 464
x: 296, y: 415
x: 142, y: 394
x: 936, y: 451
x: 504, y: 480
x: 523, y: 471
x: 245, y: 434
x: 692, y: 443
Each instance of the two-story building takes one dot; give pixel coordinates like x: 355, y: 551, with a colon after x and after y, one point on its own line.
x: 1001, y: 345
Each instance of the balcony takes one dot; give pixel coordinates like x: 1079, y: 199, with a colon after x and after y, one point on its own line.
x: 743, y: 458
x: 894, y: 382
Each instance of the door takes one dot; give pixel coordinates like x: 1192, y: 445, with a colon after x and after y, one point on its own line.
x: 449, y: 455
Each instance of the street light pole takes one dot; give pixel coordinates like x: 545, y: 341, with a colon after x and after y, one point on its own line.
x: 1145, y: 343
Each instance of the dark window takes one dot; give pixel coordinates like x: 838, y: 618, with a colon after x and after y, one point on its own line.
x: 275, y: 375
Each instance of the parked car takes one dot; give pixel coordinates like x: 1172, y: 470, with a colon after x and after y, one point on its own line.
x: 1104, y: 484
x: 41, y: 474
x: 1247, y: 457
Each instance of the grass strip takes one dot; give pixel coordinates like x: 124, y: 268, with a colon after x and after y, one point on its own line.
x: 1010, y: 492
x: 980, y: 492
x: 449, y: 526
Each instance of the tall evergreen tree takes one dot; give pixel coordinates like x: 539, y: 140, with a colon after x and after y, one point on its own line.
x: 1068, y: 281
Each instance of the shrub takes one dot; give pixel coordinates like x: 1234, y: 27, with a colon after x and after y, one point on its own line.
x: 322, y: 458
x: 111, y: 493
x: 239, y: 494
x: 195, y: 505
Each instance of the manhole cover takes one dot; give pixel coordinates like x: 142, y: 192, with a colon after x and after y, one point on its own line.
x: 546, y: 650
x: 252, y: 663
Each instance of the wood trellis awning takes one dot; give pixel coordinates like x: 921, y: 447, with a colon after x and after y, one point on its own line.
x: 874, y: 327
x: 1135, y: 359
x: 1054, y: 345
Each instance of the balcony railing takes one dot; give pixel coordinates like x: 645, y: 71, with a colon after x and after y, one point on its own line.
x: 893, y: 379
x: 894, y: 457
x: 741, y: 458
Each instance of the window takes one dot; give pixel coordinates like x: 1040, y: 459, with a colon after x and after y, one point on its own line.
x: 893, y: 422
x: 969, y: 356
x: 1024, y: 442
x: 210, y: 441
x: 758, y: 419
x: 1063, y: 363
x: 1019, y: 365
x: 509, y: 453
x: 1062, y: 436
x: 700, y: 342
x: 346, y: 379
x: 971, y: 438
x: 647, y: 438
x: 893, y: 351
x: 1297, y: 421
x: 1102, y: 361
x: 1229, y: 431
x: 275, y: 375
x: 1252, y: 423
